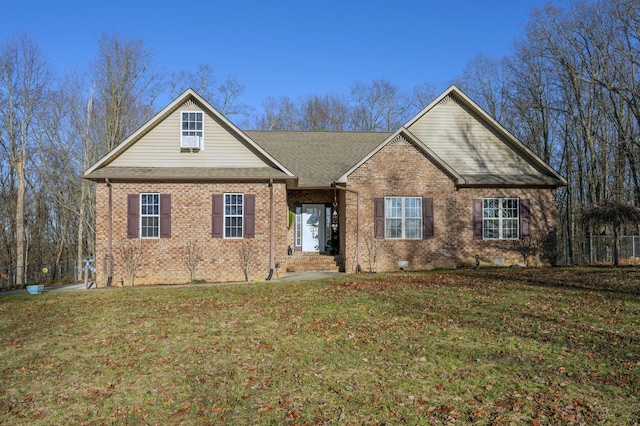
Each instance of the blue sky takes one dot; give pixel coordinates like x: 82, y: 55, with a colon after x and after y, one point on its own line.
x: 284, y: 48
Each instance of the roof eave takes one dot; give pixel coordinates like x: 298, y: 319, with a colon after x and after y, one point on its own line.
x: 532, y: 185
x: 314, y: 186
x: 170, y: 178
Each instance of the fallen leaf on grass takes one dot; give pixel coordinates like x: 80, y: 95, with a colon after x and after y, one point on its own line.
x: 293, y: 414
x: 264, y: 407
x: 478, y: 414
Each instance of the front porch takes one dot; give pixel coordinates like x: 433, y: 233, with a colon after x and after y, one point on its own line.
x: 314, y: 231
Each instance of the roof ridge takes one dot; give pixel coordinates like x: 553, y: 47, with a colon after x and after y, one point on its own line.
x: 321, y: 131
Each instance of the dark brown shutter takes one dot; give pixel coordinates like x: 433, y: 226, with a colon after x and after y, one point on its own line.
x: 477, y: 219
x: 427, y: 218
x: 217, y: 216
x: 525, y: 215
x: 378, y: 212
x: 133, y: 208
x: 249, y: 224
x: 165, y: 215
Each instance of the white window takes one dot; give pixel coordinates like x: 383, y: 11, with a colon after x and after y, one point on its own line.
x: 233, y: 215
x: 403, y: 217
x: 191, y: 136
x: 500, y: 219
x: 150, y: 215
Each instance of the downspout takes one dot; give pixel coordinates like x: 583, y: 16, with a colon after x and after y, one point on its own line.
x: 109, y: 237
x: 271, y: 231
x: 353, y: 191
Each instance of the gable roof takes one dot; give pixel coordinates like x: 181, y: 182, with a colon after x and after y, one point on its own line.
x: 101, y: 169
x: 454, y: 132
x: 481, y: 150
x: 318, y: 158
x: 407, y: 136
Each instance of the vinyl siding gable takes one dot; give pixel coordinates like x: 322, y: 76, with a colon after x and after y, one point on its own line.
x: 160, y: 146
x: 466, y: 143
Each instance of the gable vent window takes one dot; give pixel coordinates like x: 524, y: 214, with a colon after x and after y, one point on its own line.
x: 191, y: 137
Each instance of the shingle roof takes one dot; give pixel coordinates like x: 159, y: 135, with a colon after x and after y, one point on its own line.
x: 318, y: 158
x: 511, y: 179
x: 185, y: 173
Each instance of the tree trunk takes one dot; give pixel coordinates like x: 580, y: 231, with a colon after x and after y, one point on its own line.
x: 20, y: 266
x: 80, y: 229
x: 615, y: 246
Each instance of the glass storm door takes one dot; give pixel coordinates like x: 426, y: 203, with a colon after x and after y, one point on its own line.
x: 313, y: 228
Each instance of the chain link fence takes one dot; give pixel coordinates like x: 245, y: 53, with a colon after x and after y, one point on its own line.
x: 598, y: 250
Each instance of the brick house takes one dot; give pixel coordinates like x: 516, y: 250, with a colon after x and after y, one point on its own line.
x: 450, y: 188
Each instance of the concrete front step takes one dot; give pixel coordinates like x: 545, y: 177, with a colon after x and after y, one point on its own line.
x: 312, y: 262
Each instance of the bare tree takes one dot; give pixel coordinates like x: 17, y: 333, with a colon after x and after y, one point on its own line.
x: 223, y: 95
x: 246, y: 254
x: 24, y: 75
x: 131, y: 253
x: 320, y: 113
x: 421, y: 96
x: 279, y: 114
x: 373, y: 248
x: 126, y: 87
x: 79, y: 101
x: 486, y: 80
x: 377, y: 106
x: 192, y: 256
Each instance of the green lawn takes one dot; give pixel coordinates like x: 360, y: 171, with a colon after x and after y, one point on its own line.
x: 495, y: 346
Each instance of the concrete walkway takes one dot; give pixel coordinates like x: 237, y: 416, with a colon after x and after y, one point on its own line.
x: 292, y: 276
x: 55, y: 288
x: 305, y: 276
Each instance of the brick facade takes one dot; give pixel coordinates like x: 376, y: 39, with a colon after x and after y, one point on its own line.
x: 395, y: 170
x: 191, y: 210
x: 404, y: 171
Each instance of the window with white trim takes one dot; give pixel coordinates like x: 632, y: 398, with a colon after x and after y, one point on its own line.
x: 403, y: 217
x: 192, y: 133
x: 500, y: 217
x: 233, y: 215
x: 150, y: 215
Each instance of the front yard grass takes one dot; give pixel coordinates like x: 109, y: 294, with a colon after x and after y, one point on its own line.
x: 494, y: 346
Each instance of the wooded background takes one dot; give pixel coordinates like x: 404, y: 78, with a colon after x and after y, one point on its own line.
x: 569, y: 91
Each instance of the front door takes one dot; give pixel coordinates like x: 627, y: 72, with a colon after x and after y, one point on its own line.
x: 313, y: 228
